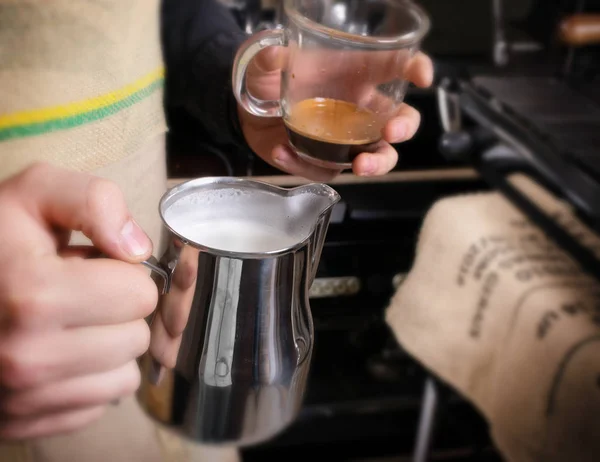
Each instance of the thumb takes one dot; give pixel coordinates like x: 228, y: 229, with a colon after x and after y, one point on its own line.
x: 264, y: 73
x: 268, y: 60
x: 81, y: 202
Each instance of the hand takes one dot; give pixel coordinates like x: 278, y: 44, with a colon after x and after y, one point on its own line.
x: 71, y: 327
x: 268, y: 138
x: 173, y: 312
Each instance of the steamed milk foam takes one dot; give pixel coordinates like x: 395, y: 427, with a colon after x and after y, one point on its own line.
x: 235, y: 235
x: 212, y: 219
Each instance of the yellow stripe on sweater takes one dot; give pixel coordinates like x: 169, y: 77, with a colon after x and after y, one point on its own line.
x: 40, y: 116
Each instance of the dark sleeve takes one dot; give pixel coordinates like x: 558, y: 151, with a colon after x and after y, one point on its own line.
x: 200, y: 39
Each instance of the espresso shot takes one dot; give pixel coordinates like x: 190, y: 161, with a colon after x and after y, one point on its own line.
x: 330, y: 132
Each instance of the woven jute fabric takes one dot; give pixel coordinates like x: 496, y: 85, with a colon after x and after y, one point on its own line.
x: 81, y: 86
x: 80, y: 81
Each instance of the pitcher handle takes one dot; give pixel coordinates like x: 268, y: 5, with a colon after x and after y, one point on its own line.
x: 163, y: 269
x: 160, y: 271
x: 247, y: 52
x: 162, y: 275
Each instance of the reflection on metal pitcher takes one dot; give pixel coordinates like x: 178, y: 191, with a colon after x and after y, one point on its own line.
x: 233, y: 333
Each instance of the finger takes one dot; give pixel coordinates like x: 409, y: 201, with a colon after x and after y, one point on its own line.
x: 53, y: 424
x: 113, y: 292
x: 172, y: 316
x: 355, y: 68
x: 29, y: 361
x: 419, y: 70
x: 350, y: 65
x: 403, y: 126
x: 76, y: 293
x: 380, y: 162
x: 175, y: 306
x: 81, y: 202
x: 285, y: 159
x: 268, y: 60
x: 263, y: 77
x: 73, y: 394
x: 164, y: 348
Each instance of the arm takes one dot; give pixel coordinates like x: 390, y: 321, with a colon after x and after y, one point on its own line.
x: 200, y: 39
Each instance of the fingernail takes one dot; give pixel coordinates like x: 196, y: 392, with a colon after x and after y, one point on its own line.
x: 399, y: 131
x: 156, y: 372
x: 368, y: 168
x: 282, y: 156
x: 133, y: 240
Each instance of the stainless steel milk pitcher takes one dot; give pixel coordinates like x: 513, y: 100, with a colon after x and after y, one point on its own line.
x: 241, y: 300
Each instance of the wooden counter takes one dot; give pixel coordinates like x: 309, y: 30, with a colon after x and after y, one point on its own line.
x: 349, y: 178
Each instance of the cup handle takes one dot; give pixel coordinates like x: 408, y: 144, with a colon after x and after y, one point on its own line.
x: 248, y: 50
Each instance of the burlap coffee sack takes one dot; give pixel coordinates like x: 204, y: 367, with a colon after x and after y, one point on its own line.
x: 498, y: 311
x: 80, y: 82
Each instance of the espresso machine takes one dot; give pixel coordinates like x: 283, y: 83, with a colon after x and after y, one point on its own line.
x: 256, y: 15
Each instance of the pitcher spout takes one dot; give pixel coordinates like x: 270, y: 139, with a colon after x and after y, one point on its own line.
x: 239, y: 218
x: 325, y: 199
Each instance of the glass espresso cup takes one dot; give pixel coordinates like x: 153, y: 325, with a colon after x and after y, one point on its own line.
x: 343, y: 74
